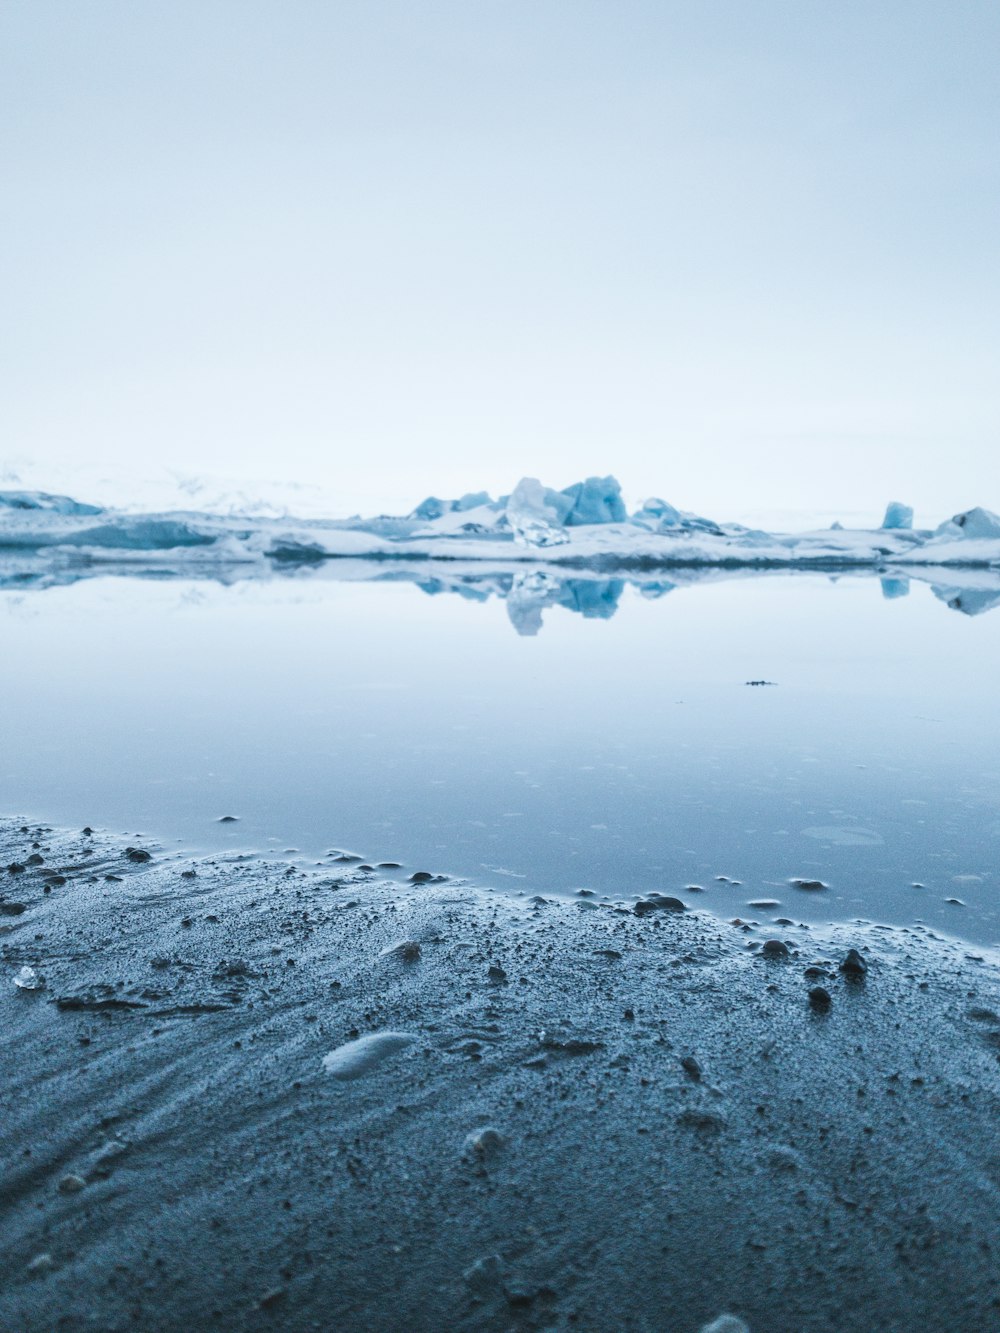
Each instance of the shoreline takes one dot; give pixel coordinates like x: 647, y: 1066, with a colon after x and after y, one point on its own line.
x: 679, y: 1130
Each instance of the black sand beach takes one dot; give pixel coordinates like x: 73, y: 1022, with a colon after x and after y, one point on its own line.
x: 590, y: 1118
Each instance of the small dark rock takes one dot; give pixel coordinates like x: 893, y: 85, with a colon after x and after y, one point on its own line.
x: 658, y: 903
x: 691, y: 1067
x: 809, y: 885
x: 854, y: 965
x: 138, y: 854
x: 12, y: 909
x: 497, y: 974
x: 35, y: 860
x: 774, y: 949
x: 421, y: 877
x: 88, y: 831
x: 229, y: 819
x: 15, y: 868
x: 819, y: 999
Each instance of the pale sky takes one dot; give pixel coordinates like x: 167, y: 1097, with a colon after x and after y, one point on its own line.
x: 744, y: 255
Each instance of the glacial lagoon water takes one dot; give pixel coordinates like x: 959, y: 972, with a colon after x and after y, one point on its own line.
x: 535, y: 736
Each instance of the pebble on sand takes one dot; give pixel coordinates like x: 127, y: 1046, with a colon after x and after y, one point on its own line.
x: 357, y: 1058
x: 854, y: 965
x: 819, y: 999
x: 408, y: 951
x: 484, y: 1144
x: 72, y: 1184
x: 41, y: 1264
x: 658, y: 902
x: 774, y: 949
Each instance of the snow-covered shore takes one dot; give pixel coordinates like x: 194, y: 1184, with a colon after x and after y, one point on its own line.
x: 577, y: 528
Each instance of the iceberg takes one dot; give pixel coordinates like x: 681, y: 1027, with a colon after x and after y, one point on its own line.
x: 537, y: 515
x: 897, y: 517
x: 432, y: 508
x: 974, y: 525
x: 657, y: 516
x: 596, y: 500
x: 49, y: 504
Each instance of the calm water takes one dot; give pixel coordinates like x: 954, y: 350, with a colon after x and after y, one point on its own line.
x: 617, y: 748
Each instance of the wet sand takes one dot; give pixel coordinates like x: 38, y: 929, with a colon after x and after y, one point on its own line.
x: 584, y: 1117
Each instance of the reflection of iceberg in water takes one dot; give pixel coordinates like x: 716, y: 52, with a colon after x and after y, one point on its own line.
x: 529, y: 591
x: 970, y: 601
x: 893, y: 588
x: 530, y: 594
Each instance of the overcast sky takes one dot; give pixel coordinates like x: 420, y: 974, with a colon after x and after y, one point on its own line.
x: 745, y: 255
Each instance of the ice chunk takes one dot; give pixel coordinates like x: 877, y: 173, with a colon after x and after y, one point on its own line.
x: 51, y: 504
x: 431, y: 508
x: 657, y: 515
x: 28, y: 979
x: 536, y: 514
x: 596, y: 500
x: 897, y: 516
x: 356, y: 1058
x: 976, y: 524
x: 472, y: 500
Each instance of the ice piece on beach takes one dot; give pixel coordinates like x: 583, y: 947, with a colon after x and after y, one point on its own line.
x: 52, y: 504
x: 536, y: 514
x: 356, y: 1058
x: 28, y: 979
x: 897, y: 516
x: 596, y: 500
x: 975, y: 524
x: 726, y: 1323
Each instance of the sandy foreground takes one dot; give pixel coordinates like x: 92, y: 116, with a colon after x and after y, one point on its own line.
x: 572, y: 1116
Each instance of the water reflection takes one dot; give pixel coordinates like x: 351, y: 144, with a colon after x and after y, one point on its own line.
x: 528, y: 592
x: 624, y: 757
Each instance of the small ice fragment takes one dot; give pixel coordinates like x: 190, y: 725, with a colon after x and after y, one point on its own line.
x: 726, y: 1323
x: 28, y: 979
x: 356, y: 1058
x: 897, y: 517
